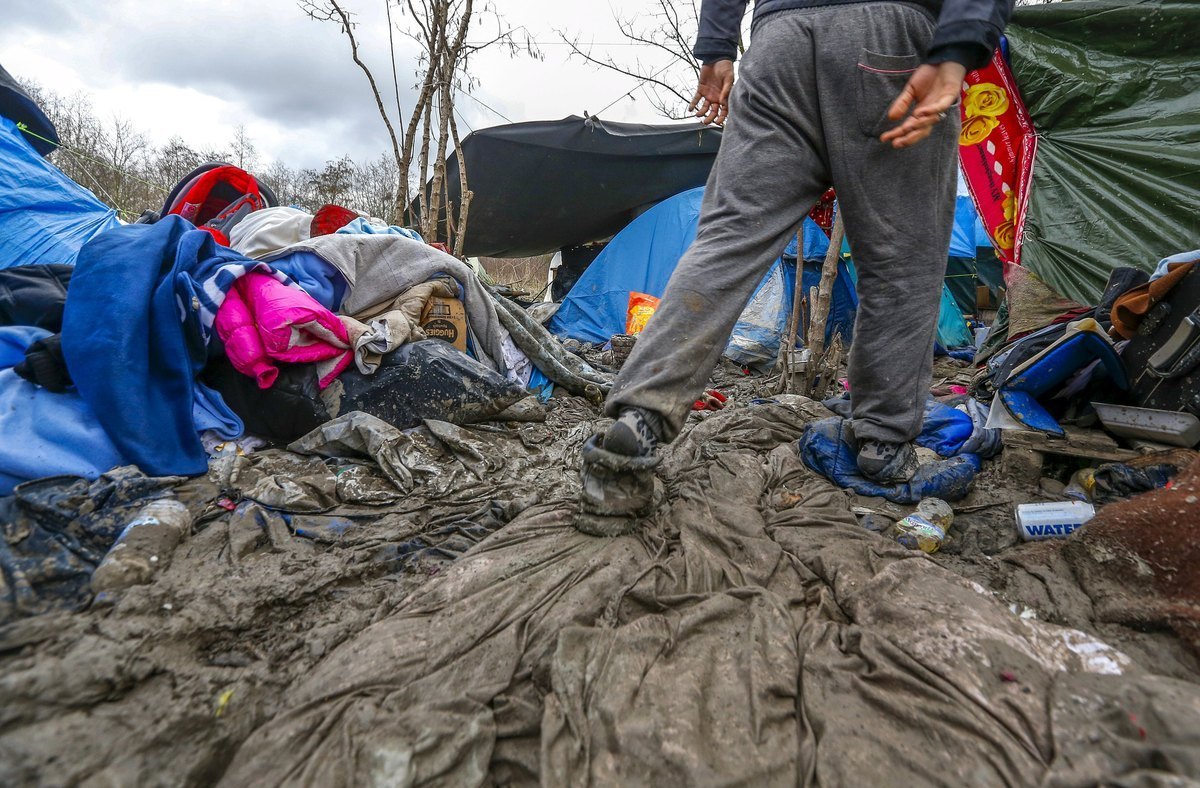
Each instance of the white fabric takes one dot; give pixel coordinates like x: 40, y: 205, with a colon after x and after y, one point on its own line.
x: 269, y: 230
x: 520, y: 368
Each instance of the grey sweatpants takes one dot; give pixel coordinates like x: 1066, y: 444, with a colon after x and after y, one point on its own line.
x: 806, y: 112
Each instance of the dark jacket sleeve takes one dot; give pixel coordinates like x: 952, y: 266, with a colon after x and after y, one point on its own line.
x: 969, y: 31
x: 720, y: 28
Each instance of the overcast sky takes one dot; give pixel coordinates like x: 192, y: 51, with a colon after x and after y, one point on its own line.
x: 199, y: 69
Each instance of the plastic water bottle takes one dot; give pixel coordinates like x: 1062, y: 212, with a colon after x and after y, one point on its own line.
x: 144, y: 546
x: 926, y: 528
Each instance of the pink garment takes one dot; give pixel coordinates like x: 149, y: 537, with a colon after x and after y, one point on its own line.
x: 263, y: 321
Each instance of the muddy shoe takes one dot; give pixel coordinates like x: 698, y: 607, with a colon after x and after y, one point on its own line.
x: 635, y: 434
x: 615, y: 485
x: 887, y: 463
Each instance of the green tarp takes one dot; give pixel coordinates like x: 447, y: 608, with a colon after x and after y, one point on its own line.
x: 1113, y: 88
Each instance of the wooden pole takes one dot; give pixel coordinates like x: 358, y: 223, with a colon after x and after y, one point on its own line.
x: 820, y: 306
x: 794, y: 320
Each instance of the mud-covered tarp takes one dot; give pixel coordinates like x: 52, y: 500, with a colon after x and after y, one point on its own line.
x: 465, y: 634
x: 1113, y: 89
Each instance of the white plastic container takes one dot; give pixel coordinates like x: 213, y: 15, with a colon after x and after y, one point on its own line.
x: 144, y: 547
x: 1052, y: 520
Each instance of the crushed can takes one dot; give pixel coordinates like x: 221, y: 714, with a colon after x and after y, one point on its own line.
x: 1052, y: 520
x: 917, y: 533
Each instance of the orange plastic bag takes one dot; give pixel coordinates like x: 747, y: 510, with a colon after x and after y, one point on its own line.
x: 641, y: 307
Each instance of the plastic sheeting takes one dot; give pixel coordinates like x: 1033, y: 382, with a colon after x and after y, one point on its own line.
x: 465, y: 634
x: 1113, y: 88
x: 541, y: 186
x: 760, y: 329
x: 44, y: 215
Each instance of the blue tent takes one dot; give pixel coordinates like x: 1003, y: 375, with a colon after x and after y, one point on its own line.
x: 642, y: 257
x: 44, y: 215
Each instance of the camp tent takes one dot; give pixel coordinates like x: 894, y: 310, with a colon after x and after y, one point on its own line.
x: 1113, y: 91
x: 972, y: 261
x: 546, y: 185
x: 45, y: 217
x: 642, y: 257
x: 19, y: 107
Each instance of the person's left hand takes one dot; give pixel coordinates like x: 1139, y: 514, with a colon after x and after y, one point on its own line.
x: 711, y: 102
x: 933, y: 89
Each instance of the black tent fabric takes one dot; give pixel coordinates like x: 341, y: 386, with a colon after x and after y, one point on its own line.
x: 540, y: 186
x: 16, y: 105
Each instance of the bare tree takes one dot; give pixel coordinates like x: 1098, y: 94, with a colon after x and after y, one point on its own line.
x: 245, y: 155
x: 440, y: 28
x: 332, y: 11
x: 666, y: 31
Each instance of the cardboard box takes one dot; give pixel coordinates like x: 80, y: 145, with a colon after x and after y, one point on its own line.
x: 446, y: 319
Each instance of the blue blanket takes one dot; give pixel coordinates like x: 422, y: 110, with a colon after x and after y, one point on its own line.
x: 945, y: 430
x: 824, y: 449
x: 136, y: 328
x: 45, y: 434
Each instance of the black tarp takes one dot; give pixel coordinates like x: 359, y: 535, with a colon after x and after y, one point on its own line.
x: 17, y: 106
x: 540, y: 186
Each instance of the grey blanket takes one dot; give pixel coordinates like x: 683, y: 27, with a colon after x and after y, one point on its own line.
x: 378, y: 268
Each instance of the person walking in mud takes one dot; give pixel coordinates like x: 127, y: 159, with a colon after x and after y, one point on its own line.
x: 860, y: 95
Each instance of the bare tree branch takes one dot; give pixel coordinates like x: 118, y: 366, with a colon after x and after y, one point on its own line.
x: 327, y: 13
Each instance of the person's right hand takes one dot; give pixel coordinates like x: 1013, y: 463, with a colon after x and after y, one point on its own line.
x: 933, y: 90
x: 711, y: 102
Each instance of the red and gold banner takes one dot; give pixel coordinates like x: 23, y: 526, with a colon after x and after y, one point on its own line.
x: 996, y: 148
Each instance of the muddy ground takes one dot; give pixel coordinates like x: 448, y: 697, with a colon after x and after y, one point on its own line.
x: 162, y: 684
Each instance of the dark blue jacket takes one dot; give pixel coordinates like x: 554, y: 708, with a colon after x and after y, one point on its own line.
x: 967, y: 31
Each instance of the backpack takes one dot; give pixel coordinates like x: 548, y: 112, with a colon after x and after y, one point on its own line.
x: 216, y: 196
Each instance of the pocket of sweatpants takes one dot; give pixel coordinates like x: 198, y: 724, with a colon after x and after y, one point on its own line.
x: 880, y: 80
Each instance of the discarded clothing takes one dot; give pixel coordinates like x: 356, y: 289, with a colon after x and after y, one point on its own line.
x: 211, y: 415
x: 826, y: 450
x: 45, y: 434
x: 364, y: 226
x: 316, y: 277
x: 330, y: 218
x: 945, y: 430
x: 379, y: 268
x: 34, y: 295
x: 45, y: 366
x: 358, y: 434
x: 1116, y: 481
x: 136, y: 329
x: 269, y: 230
x: 548, y: 354
x: 56, y: 530
x: 1164, y: 265
x: 263, y: 321
x: 386, y: 326
x: 1133, y: 307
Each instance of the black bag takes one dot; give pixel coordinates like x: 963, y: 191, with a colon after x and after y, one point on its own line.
x: 429, y: 379
x: 1163, y: 358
